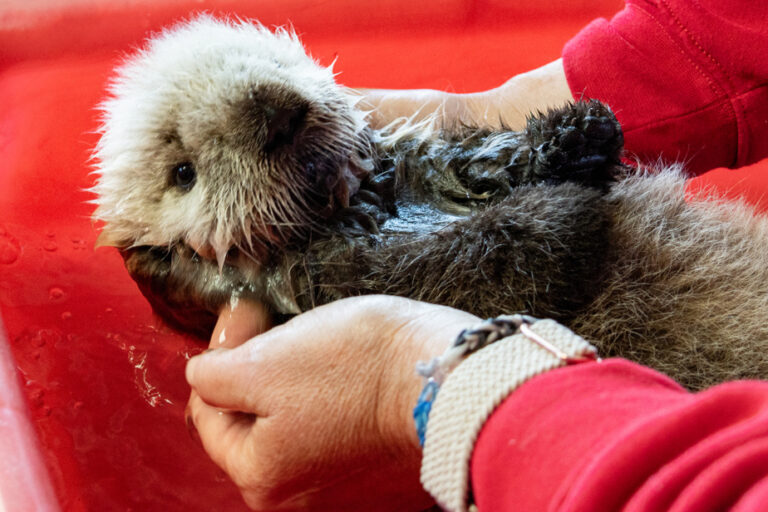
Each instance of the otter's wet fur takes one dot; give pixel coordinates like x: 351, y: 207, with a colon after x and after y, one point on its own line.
x: 300, y: 203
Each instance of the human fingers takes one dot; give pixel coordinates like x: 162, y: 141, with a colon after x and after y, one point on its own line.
x: 331, y: 390
x: 238, y: 378
x: 239, y: 321
x: 363, y: 337
x: 224, y: 378
x: 221, y: 432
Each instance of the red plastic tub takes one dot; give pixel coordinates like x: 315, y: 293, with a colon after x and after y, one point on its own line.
x: 91, y: 413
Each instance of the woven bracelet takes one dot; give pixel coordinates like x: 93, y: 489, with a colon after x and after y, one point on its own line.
x: 471, y: 340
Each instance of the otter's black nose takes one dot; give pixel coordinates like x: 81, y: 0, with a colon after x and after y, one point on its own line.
x: 282, y: 125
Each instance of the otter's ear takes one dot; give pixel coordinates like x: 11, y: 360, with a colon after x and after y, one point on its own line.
x: 107, y: 239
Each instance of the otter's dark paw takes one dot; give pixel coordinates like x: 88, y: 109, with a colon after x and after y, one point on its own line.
x: 481, y: 184
x: 367, y: 211
x: 357, y: 220
x: 581, y: 142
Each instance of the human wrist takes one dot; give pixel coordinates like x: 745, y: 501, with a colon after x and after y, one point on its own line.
x: 422, y: 339
x: 510, y: 104
x: 386, y: 106
x: 411, y: 387
x: 488, y: 372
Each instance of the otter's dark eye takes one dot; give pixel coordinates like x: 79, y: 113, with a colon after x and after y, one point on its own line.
x: 184, y: 175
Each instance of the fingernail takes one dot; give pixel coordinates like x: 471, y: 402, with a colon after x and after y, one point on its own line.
x: 191, y: 428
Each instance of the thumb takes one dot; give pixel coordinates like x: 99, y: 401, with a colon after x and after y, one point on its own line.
x: 223, y: 378
x: 219, y: 377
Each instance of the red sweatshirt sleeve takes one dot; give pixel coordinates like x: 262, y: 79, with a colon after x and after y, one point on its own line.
x: 618, y: 436
x: 688, y: 79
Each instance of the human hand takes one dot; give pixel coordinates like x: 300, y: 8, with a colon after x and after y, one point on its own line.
x: 508, y: 105
x: 325, y: 403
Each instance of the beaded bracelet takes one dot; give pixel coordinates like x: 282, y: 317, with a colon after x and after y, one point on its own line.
x: 471, y: 340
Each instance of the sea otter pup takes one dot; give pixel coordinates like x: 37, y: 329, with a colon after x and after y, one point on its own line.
x: 231, y: 164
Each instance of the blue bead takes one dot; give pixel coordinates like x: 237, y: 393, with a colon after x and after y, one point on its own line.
x: 423, y: 406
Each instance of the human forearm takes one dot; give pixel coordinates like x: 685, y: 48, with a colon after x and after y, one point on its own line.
x: 618, y: 436
x: 514, y: 101
x: 510, y: 103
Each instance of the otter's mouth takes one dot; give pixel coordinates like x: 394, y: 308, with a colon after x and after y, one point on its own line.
x: 309, y: 214
x: 305, y: 163
x: 207, y: 252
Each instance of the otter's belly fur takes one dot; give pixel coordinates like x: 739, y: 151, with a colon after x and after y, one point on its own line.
x: 545, y: 221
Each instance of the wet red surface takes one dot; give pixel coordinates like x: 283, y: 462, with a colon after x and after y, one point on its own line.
x: 103, y: 379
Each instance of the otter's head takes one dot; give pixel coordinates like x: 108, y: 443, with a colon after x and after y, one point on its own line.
x: 224, y: 135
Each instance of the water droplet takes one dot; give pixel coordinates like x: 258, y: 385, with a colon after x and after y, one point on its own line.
x: 56, y: 293
x: 37, y: 338
x: 78, y: 405
x: 108, y: 310
x: 9, y: 248
x: 146, y: 329
x: 66, y: 316
x: 45, y: 337
x: 78, y: 244
x: 50, y: 234
x: 118, y: 340
x: 50, y: 246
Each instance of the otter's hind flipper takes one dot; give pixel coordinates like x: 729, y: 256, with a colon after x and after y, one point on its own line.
x: 580, y: 142
x: 471, y: 168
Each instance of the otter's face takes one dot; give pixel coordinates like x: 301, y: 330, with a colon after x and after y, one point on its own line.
x: 223, y: 135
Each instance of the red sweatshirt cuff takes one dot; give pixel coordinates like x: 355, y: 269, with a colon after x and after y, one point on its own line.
x: 604, y: 436
x: 687, y: 80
